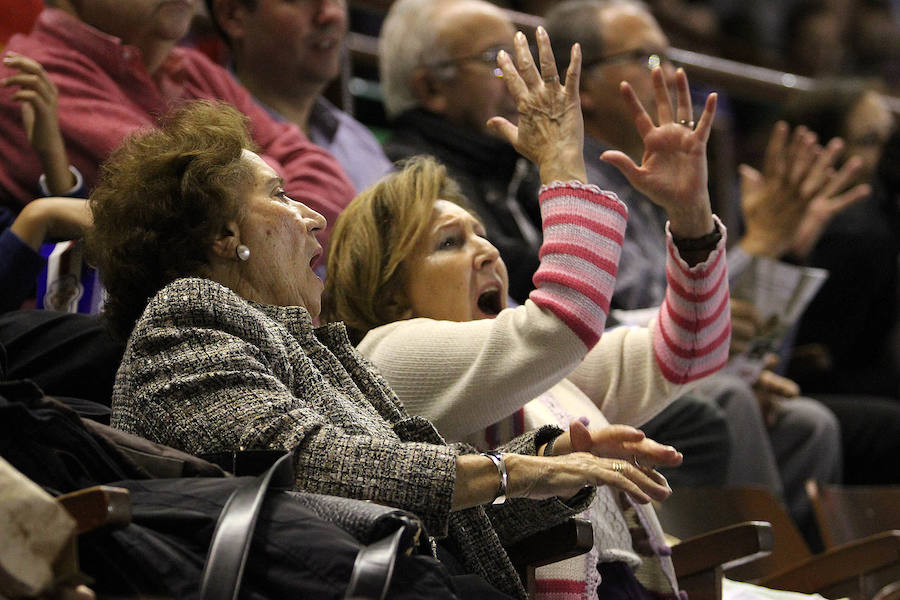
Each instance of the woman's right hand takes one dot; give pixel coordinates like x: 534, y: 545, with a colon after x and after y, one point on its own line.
x: 538, y: 477
x: 550, y: 129
x: 542, y: 477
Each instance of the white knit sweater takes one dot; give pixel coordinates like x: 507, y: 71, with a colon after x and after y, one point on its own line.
x: 486, y: 381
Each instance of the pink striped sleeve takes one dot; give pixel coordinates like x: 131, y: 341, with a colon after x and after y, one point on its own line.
x: 693, y: 331
x: 583, y: 232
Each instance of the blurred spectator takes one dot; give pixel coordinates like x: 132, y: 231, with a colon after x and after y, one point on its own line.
x: 286, y: 54
x: 441, y: 84
x: 17, y: 16
x: 118, y: 70
x: 855, y: 353
x: 816, y: 40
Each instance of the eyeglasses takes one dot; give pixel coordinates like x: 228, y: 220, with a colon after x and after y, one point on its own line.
x: 488, y: 57
x: 649, y: 58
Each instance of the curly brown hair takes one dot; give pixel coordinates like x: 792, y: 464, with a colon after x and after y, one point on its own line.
x: 372, y: 239
x: 162, y: 199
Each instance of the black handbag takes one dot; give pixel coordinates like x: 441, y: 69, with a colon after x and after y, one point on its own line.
x: 387, y: 532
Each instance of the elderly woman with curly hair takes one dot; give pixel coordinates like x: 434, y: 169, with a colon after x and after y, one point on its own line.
x: 411, y: 274
x: 209, y: 268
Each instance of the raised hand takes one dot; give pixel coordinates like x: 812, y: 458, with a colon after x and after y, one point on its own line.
x: 673, y: 171
x: 38, y: 98
x: 788, y: 205
x: 550, y: 130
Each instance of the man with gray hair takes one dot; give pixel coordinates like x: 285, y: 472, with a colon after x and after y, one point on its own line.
x: 441, y: 84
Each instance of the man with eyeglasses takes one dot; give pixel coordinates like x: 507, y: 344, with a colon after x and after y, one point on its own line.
x: 441, y: 83
x: 798, y: 439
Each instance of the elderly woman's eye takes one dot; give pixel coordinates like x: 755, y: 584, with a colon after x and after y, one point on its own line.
x: 282, y: 195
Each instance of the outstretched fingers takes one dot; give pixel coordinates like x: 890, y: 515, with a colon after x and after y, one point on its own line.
x: 525, y: 62
x: 684, y: 111
x: 845, y: 176
x: 821, y: 168
x: 573, y: 73
x: 851, y: 196
x: 549, y: 74
x: 623, y: 162
x: 642, y: 120
x: 775, y: 150
x: 704, y: 125
x: 641, y: 485
x: 511, y: 77
x: 661, y: 95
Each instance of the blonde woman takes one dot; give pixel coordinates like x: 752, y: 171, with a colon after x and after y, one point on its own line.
x: 411, y: 273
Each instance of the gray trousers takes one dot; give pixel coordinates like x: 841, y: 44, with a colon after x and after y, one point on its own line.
x: 804, y: 443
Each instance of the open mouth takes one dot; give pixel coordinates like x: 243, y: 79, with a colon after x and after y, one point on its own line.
x: 314, y: 261
x: 489, y: 303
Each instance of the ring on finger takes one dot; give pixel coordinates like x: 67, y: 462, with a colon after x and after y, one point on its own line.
x: 618, y: 466
x: 552, y: 79
x: 634, y: 461
x: 686, y: 123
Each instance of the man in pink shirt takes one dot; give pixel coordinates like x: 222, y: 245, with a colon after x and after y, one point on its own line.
x: 118, y: 70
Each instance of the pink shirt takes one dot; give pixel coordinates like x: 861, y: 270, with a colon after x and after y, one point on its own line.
x: 105, y: 93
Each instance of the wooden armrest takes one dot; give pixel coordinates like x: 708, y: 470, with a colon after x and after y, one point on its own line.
x: 839, y: 564
x: 699, y: 561
x: 98, y: 506
x: 726, y: 547
x: 570, y: 538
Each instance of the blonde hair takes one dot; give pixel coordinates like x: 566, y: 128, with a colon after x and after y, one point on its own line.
x: 372, y: 239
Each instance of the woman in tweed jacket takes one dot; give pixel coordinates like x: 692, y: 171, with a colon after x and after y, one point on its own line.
x: 209, y: 266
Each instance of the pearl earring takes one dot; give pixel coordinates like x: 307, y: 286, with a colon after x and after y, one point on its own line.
x: 243, y: 252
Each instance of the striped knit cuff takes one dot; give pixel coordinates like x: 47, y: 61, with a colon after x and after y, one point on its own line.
x: 583, y: 232
x: 693, y: 331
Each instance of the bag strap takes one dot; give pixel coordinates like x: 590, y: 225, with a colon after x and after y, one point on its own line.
x: 231, y: 540
x: 372, y: 569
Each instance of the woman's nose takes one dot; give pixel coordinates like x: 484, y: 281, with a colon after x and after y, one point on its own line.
x: 314, y: 221
x: 487, y: 253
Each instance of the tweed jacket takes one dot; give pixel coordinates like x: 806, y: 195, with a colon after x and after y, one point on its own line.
x: 207, y: 371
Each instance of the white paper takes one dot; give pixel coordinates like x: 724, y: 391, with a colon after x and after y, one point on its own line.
x: 736, y: 590
x: 780, y: 292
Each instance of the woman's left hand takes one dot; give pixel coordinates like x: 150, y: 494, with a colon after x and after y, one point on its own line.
x: 673, y: 171
x: 550, y: 130
x: 617, y: 441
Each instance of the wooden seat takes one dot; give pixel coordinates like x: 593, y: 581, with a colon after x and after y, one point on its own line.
x: 570, y: 538
x: 858, y: 570
x: 847, y: 513
x: 98, y: 506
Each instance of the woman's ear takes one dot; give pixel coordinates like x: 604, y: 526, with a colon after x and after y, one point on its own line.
x: 428, y: 89
x: 225, y: 246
